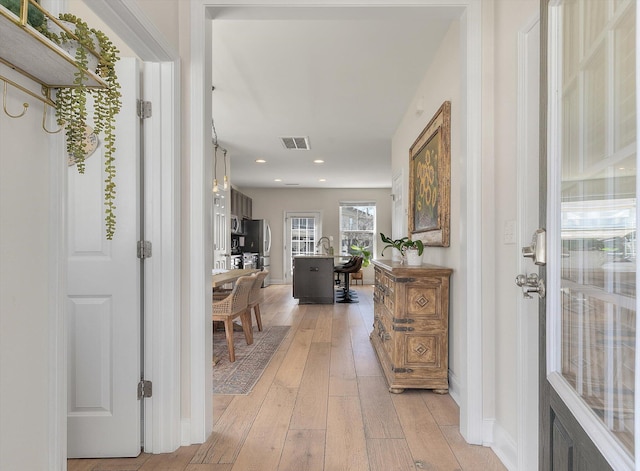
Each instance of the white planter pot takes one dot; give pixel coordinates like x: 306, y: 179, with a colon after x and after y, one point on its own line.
x: 71, y: 46
x: 413, y: 258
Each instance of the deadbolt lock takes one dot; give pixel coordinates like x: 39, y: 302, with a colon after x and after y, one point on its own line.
x: 531, y: 283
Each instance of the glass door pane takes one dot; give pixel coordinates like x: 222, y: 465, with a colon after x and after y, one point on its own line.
x: 303, y: 232
x: 598, y: 210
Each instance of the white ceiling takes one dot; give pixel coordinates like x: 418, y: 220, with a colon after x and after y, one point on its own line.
x: 343, y: 76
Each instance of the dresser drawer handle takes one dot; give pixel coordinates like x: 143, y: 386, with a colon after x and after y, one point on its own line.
x: 398, y: 328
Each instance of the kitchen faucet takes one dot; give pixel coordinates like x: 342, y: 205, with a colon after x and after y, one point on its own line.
x: 325, y: 248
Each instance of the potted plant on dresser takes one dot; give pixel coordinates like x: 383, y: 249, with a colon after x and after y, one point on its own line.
x: 410, y: 250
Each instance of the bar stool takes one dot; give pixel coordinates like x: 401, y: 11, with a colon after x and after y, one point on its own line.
x: 347, y: 296
x: 233, y: 306
x: 338, y: 268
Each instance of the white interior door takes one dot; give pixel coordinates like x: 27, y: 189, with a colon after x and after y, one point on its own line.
x: 103, y: 301
x: 221, y: 230
x: 302, y: 232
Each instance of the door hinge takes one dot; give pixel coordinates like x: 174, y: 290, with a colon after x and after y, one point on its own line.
x: 144, y: 249
x: 144, y: 109
x: 145, y: 389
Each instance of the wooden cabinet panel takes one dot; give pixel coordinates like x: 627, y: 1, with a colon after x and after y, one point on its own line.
x: 241, y: 205
x: 411, y: 325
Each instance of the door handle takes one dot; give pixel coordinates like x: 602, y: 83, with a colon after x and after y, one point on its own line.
x: 537, y: 251
x: 531, y: 283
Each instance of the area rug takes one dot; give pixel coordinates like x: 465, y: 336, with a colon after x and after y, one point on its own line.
x: 240, y: 376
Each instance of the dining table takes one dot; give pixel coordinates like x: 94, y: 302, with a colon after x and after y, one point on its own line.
x: 229, y: 276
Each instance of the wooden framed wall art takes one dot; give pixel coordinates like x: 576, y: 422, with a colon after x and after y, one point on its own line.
x: 430, y: 180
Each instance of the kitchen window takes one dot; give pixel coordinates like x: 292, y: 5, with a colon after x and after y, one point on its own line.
x: 357, y: 226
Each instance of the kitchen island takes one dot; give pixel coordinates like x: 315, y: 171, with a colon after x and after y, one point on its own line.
x: 313, y: 279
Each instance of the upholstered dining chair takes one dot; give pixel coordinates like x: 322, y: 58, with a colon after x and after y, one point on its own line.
x: 233, y: 306
x: 255, y: 296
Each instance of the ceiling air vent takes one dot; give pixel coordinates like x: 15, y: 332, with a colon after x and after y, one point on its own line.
x: 295, y: 143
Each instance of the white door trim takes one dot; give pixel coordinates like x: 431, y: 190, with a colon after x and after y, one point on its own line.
x: 200, y: 234
x: 163, y: 414
x: 527, y: 309
x: 162, y: 281
x: 473, y: 389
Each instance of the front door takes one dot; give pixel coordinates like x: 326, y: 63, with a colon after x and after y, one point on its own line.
x: 103, y: 300
x: 588, y: 154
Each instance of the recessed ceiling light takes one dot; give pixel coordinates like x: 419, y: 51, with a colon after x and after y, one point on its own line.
x: 318, y: 161
x: 278, y: 180
x: 261, y: 161
x: 322, y: 180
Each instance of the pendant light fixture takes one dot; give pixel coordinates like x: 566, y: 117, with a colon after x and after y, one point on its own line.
x: 215, y: 169
x: 225, y: 181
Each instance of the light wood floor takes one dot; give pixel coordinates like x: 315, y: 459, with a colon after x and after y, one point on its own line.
x: 322, y: 404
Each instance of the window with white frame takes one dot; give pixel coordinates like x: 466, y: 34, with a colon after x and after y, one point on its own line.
x: 357, y: 226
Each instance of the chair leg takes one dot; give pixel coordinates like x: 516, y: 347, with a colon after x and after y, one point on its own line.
x: 246, y: 326
x: 256, y: 312
x: 228, y: 331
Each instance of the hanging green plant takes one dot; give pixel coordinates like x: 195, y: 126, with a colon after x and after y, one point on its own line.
x: 71, y: 104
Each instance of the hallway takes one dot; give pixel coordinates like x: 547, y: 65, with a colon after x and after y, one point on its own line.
x: 322, y: 404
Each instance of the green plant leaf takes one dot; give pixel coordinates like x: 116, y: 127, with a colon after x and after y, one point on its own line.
x: 71, y: 106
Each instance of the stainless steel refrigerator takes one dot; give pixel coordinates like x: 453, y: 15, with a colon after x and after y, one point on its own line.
x: 257, y: 239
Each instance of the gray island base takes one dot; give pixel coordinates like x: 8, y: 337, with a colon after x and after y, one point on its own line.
x: 313, y: 279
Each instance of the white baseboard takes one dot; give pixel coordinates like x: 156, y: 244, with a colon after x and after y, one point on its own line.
x: 454, y: 387
x: 493, y: 435
x: 504, y: 446
x: 185, y: 433
x: 488, y: 426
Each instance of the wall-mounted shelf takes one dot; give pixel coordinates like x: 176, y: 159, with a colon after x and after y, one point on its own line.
x: 33, y: 55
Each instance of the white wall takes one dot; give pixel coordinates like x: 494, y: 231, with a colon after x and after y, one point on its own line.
x: 24, y: 251
x: 442, y: 82
x: 509, y: 18
x: 24, y: 284
x: 502, y: 20
x: 271, y: 204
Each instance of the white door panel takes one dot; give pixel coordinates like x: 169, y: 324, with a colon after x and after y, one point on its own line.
x: 103, y: 303
x: 589, y: 375
x: 221, y: 230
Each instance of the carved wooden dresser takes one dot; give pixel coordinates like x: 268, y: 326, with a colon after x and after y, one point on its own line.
x: 411, y: 325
